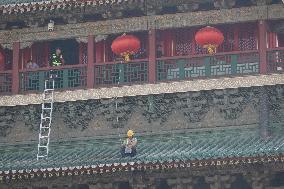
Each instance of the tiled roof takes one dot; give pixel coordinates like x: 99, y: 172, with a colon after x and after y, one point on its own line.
x: 21, y: 6
x: 151, y: 149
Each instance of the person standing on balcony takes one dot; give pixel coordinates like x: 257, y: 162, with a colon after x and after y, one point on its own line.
x: 129, y: 145
x: 56, y: 60
x: 159, y: 52
x: 31, y: 65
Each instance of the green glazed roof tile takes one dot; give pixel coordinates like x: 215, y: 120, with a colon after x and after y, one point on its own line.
x: 150, y: 149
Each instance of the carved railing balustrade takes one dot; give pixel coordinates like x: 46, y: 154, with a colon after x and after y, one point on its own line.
x: 109, y: 74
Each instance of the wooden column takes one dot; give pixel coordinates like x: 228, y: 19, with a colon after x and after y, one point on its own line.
x: 90, y: 65
x: 15, y: 68
x: 81, y: 53
x: 152, y: 56
x: 262, y: 46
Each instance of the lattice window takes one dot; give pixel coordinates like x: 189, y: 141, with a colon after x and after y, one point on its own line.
x: 121, y: 73
x: 84, y: 53
x: 247, y: 38
x: 8, y: 59
x: 228, y: 44
x: 5, y: 83
x: 184, y: 39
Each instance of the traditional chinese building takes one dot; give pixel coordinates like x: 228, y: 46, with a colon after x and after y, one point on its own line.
x: 203, y: 121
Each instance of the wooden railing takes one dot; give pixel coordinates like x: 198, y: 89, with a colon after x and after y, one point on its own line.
x: 67, y: 77
x: 5, y: 82
x: 275, y: 60
x: 119, y: 73
x: 221, y: 64
x: 137, y: 71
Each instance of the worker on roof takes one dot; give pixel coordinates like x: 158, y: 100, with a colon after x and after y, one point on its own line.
x: 129, y: 145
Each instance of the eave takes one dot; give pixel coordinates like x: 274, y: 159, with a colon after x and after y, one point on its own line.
x: 144, y: 23
x: 227, y: 163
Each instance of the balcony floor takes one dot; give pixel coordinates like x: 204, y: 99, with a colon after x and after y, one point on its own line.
x: 148, y: 89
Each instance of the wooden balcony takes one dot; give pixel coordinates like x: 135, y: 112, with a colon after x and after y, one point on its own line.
x: 168, y: 69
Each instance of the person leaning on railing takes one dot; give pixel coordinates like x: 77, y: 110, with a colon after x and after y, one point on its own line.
x: 31, y: 65
x: 56, y: 60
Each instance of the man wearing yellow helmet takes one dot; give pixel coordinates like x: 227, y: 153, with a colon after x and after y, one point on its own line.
x: 129, y: 145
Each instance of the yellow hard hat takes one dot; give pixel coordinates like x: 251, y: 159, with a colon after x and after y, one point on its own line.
x: 130, y: 133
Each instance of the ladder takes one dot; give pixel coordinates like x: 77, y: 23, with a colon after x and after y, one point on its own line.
x: 46, y: 119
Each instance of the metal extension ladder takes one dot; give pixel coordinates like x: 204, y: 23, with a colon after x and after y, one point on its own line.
x: 46, y: 119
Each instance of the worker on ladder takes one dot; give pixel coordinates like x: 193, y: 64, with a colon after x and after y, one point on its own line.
x: 56, y: 60
x: 129, y: 145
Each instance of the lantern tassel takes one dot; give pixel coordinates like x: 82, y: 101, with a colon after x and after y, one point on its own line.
x: 126, y: 57
x: 211, y: 48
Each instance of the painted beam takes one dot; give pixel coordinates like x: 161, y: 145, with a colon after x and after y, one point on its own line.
x: 223, y: 16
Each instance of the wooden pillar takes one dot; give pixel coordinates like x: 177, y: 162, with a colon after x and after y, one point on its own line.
x: 90, y: 65
x: 262, y: 46
x: 152, y: 56
x: 81, y: 53
x: 15, y: 68
x: 236, y: 37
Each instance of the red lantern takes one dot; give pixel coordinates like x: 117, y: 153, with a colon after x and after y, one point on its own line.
x: 125, y: 46
x: 209, y: 38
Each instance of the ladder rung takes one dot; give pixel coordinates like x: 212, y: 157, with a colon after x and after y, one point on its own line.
x: 42, y: 146
x: 48, y: 90
x: 43, y: 136
x: 46, y: 99
x: 45, y: 124
x: 45, y: 118
x: 44, y: 127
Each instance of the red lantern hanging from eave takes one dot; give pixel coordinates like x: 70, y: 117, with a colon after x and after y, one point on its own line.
x: 209, y: 38
x: 125, y: 46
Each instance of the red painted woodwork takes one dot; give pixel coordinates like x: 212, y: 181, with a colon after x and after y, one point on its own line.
x: 167, y: 42
x: 81, y: 53
x: 236, y: 37
x: 152, y: 56
x: 2, y: 60
x: 41, y: 53
x: 262, y: 29
x: 15, y: 69
x: 126, y: 45
x: 100, y: 51
x: 25, y: 57
x: 90, y: 64
x: 272, y: 40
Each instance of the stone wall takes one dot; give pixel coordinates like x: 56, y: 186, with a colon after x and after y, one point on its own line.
x: 203, y: 110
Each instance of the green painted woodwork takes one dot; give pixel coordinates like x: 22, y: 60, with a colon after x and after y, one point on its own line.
x: 234, y: 64
x: 207, y: 66
x: 189, y: 146
x: 181, y: 64
x: 66, y: 78
x: 120, y: 67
